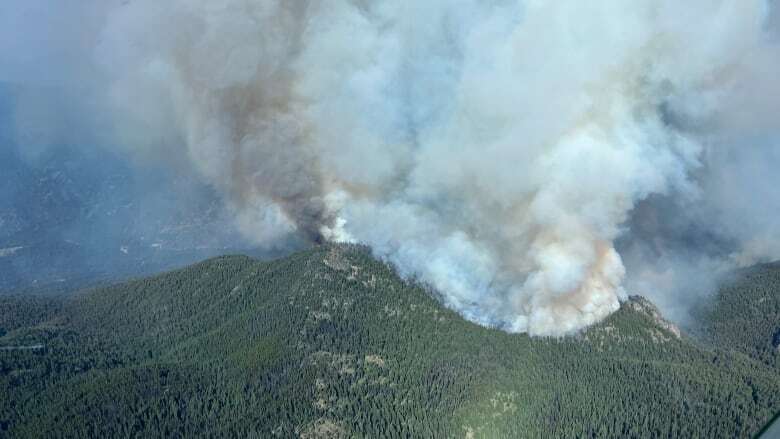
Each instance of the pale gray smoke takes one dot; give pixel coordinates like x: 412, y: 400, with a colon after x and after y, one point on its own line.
x: 496, y: 150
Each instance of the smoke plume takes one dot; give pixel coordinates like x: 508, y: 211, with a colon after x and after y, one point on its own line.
x: 530, y: 160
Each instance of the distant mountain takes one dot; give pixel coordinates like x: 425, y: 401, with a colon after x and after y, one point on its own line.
x: 72, y: 216
x: 73, y: 212
x: 330, y: 343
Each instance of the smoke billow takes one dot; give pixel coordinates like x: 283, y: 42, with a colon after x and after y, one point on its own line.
x: 528, y: 159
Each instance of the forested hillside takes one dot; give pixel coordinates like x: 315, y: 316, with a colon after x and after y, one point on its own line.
x: 331, y: 343
x: 745, y: 316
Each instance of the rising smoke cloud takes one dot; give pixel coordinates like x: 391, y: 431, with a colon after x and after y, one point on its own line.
x: 528, y: 159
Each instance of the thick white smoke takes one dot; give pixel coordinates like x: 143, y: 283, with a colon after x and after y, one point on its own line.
x: 493, y: 149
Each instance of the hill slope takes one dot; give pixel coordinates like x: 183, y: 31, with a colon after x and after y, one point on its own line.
x: 745, y: 316
x: 331, y: 343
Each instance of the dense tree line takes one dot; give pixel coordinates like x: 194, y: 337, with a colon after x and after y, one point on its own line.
x: 331, y: 343
x: 745, y: 316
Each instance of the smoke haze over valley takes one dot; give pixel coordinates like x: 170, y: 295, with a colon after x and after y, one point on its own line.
x: 533, y: 162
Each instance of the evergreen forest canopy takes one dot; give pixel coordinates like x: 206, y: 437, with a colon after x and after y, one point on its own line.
x: 331, y: 343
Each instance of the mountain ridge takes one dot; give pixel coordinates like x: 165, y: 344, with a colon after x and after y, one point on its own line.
x: 329, y: 342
